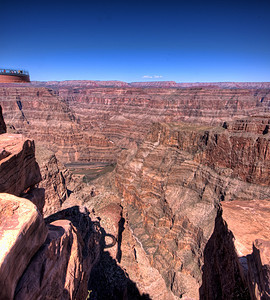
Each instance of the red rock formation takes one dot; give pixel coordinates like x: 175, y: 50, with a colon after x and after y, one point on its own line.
x: 55, y: 265
x: 54, y: 180
x: 22, y: 233
x: 88, y: 123
x: 38, y: 113
x: 259, y: 270
x: 61, y: 267
x: 236, y: 257
x: 166, y: 184
x: 18, y: 167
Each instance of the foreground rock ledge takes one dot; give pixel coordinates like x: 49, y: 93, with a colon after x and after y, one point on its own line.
x: 22, y: 232
x: 250, y: 223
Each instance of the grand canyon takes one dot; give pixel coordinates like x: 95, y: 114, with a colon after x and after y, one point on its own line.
x: 115, y: 190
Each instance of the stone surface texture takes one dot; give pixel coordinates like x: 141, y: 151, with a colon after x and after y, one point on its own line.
x: 55, y: 178
x: 249, y: 223
x: 62, y: 266
x: 80, y: 122
x: 22, y: 233
x: 176, y: 175
x: 18, y: 167
x: 155, y: 228
x: 40, y: 114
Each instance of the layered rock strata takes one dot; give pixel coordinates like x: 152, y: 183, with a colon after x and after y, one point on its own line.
x: 170, y: 180
x: 84, y: 123
x: 40, y: 114
x: 38, y: 260
x: 125, y: 115
x: 55, y: 179
x: 19, y: 170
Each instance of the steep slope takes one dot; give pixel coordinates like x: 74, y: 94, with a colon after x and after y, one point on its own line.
x: 84, y: 123
x: 38, y: 113
x: 40, y: 259
x: 171, y: 186
x: 125, y: 115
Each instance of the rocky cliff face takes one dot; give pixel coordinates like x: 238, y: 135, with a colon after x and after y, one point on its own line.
x: 236, y: 257
x: 170, y: 180
x: 23, y: 232
x: 40, y: 259
x: 125, y: 115
x: 40, y: 114
x: 160, y: 232
x: 84, y: 123
x: 18, y: 168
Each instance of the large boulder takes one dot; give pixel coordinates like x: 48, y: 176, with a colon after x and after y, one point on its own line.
x: 22, y: 232
x: 62, y: 266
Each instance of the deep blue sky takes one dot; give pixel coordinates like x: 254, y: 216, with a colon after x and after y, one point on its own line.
x: 184, y: 41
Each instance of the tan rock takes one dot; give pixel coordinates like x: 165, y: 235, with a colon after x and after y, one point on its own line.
x: 54, y: 177
x: 249, y: 223
x: 171, y: 186
x: 18, y: 169
x: 40, y: 114
x: 61, y: 268
x: 22, y: 232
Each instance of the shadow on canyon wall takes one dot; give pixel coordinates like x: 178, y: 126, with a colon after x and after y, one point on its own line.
x: 222, y: 278
x: 108, y: 281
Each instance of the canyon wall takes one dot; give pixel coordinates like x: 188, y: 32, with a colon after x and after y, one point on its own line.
x: 172, y: 186
x: 159, y: 211
x: 125, y: 115
x: 38, y: 113
x: 85, y: 123
x: 155, y: 84
x: 40, y: 259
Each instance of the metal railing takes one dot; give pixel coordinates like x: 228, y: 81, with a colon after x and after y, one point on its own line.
x: 13, y: 72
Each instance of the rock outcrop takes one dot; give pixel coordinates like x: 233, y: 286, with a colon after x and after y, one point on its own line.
x: 55, y: 178
x: 22, y: 233
x: 19, y: 170
x: 259, y: 270
x: 41, y: 260
x: 169, y: 181
x: 62, y: 266
x: 236, y: 257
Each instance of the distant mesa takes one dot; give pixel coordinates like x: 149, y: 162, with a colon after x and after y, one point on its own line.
x: 13, y: 75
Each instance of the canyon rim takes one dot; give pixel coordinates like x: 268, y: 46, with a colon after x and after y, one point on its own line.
x: 115, y: 190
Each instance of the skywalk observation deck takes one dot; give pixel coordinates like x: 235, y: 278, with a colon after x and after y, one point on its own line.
x: 14, y: 75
